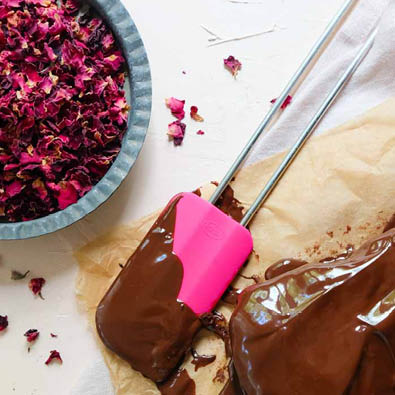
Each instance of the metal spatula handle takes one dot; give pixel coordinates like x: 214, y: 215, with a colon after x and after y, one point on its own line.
x: 277, y: 105
x: 308, y: 131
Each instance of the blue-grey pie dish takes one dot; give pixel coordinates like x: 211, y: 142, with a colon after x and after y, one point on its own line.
x: 139, y: 95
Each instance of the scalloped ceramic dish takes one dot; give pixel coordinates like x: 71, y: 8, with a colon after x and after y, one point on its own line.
x: 138, y: 93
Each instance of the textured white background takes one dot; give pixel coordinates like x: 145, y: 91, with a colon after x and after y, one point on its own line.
x: 232, y: 109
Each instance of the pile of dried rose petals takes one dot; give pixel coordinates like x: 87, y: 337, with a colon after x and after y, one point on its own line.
x: 63, y: 112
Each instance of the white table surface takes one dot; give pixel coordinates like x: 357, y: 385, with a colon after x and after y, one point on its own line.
x: 232, y: 109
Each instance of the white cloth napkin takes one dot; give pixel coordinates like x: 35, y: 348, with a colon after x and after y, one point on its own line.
x: 373, y: 82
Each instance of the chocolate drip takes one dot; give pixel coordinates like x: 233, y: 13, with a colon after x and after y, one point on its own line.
x: 140, y: 318
x: 178, y: 384
x: 325, y: 328
x: 215, y: 322
x: 254, y: 277
x: 282, y: 266
x: 201, y: 361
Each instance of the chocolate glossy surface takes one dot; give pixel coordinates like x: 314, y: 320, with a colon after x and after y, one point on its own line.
x: 140, y: 318
x: 326, y: 328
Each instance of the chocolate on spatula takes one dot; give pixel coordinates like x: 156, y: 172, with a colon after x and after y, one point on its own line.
x: 178, y: 273
x: 325, y: 328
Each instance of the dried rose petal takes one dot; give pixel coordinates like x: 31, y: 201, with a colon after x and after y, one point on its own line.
x: 15, y: 275
x: 52, y: 356
x: 53, y: 335
x: 200, y: 132
x: 195, y: 115
x: 232, y: 64
x: 286, y: 102
x: 3, y: 322
x: 36, y: 285
x: 176, y: 107
x: 177, y: 132
x: 32, y: 335
x: 65, y: 193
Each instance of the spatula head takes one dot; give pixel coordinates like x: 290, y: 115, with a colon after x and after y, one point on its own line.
x: 212, y: 247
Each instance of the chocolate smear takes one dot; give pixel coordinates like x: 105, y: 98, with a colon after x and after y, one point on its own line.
x: 201, y: 360
x: 140, y: 318
x: 215, y: 322
x: 178, y: 384
x: 324, y: 328
x: 228, y: 204
x: 282, y: 266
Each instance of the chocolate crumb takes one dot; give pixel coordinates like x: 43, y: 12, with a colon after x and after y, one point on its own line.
x: 197, y: 192
x: 220, y: 376
x: 330, y: 234
x: 121, y: 265
x: 348, y: 229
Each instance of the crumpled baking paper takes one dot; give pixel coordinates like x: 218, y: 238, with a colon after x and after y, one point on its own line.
x: 339, y: 191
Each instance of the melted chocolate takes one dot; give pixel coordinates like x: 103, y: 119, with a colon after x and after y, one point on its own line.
x: 232, y: 386
x: 215, y: 322
x: 178, y: 384
x: 390, y: 224
x: 282, y: 266
x: 231, y: 296
x: 230, y: 205
x: 325, y: 328
x: 140, y: 318
x: 344, y: 255
x: 201, y: 361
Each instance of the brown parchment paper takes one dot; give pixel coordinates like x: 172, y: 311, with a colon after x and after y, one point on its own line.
x: 339, y: 191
